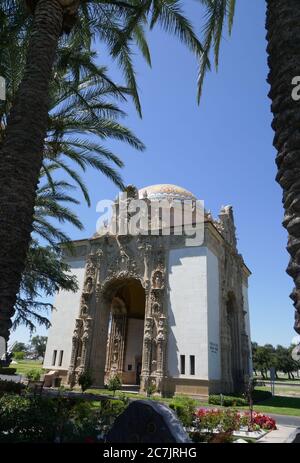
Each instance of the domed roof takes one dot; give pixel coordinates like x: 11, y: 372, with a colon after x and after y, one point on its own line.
x: 166, y: 191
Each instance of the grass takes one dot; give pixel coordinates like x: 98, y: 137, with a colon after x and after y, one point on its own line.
x: 280, y: 379
x: 279, y: 405
x: 23, y: 366
x: 282, y: 390
x: 126, y: 394
x: 289, y: 406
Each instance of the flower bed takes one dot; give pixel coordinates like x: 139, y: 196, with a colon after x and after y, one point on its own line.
x: 217, y: 425
x: 263, y: 421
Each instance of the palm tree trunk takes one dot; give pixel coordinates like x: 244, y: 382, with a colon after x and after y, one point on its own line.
x: 283, y: 35
x: 21, y: 155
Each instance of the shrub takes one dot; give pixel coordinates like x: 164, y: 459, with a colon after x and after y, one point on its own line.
x: 150, y: 389
x: 260, y: 396
x: 40, y: 419
x: 85, y: 380
x: 227, y: 401
x: 238, y: 401
x: 10, y: 387
x: 7, y: 371
x: 215, y: 425
x: 231, y: 421
x: 25, y: 420
x: 208, y: 420
x: 111, y: 409
x: 34, y: 374
x: 19, y: 355
x: 216, y: 422
x: 263, y: 421
x: 114, y: 383
x: 184, y: 408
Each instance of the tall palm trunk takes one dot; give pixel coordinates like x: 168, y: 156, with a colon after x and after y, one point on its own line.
x: 21, y: 155
x: 283, y: 35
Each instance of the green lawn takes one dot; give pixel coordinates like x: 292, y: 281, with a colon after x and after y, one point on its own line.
x: 280, y: 379
x: 23, y: 366
x: 276, y: 405
x: 282, y: 390
x: 280, y: 406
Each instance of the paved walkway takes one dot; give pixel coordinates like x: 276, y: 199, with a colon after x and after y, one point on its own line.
x: 283, y: 434
x: 286, y: 420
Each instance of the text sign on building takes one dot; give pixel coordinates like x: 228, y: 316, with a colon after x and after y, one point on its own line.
x: 213, y: 347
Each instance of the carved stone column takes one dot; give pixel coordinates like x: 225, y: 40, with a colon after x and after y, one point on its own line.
x: 71, y: 378
x: 99, y: 346
x: 161, y: 352
x: 87, y: 329
x: 82, y: 331
x: 154, y: 349
x: 116, y: 344
x: 147, y: 345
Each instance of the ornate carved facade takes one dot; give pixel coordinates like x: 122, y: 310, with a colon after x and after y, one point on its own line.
x: 127, y: 286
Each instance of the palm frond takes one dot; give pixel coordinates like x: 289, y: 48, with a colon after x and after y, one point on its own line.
x: 215, y: 14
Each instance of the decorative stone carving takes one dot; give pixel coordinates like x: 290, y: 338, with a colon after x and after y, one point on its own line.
x: 90, y: 266
x: 88, y: 285
x: 161, y: 331
x: 226, y: 225
x: 114, y: 260
x: 132, y: 192
x: 158, y: 280
x: 116, y: 344
x: 149, y: 322
x: 77, y: 333
x: 156, y: 308
x: 84, y: 311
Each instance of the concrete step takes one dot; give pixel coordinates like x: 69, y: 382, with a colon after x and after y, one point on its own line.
x: 130, y: 388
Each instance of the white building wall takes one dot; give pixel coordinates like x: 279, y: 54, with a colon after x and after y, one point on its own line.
x: 187, y: 311
x: 134, y: 341
x: 247, y: 323
x: 213, y: 297
x: 66, y: 310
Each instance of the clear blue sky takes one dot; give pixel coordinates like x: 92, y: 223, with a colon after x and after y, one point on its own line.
x: 221, y: 151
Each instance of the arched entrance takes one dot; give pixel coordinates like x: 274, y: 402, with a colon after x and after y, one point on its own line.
x: 125, y: 331
x: 122, y: 325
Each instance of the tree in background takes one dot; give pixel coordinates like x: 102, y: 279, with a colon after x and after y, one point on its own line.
x: 286, y: 364
x: 267, y: 356
x: 19, y: 347
x: 38, y: 346
x: 261, y: 360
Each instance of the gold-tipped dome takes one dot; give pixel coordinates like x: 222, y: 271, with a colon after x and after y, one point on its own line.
x: 166, y: 191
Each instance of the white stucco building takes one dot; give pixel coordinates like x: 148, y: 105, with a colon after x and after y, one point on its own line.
x: 156, y: 308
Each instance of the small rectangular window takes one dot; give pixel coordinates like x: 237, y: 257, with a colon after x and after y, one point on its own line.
x: 129, y: 368
x: 182, y: 364
x: 54, y: 357
x: 61, y: 354
x: 192, y: 364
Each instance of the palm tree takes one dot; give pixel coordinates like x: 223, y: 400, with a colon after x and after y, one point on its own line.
x: 282, y: 24
x: 45, y: 272
x: 117, y: 24
x: 83, y: 114
x: 80, y: 107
